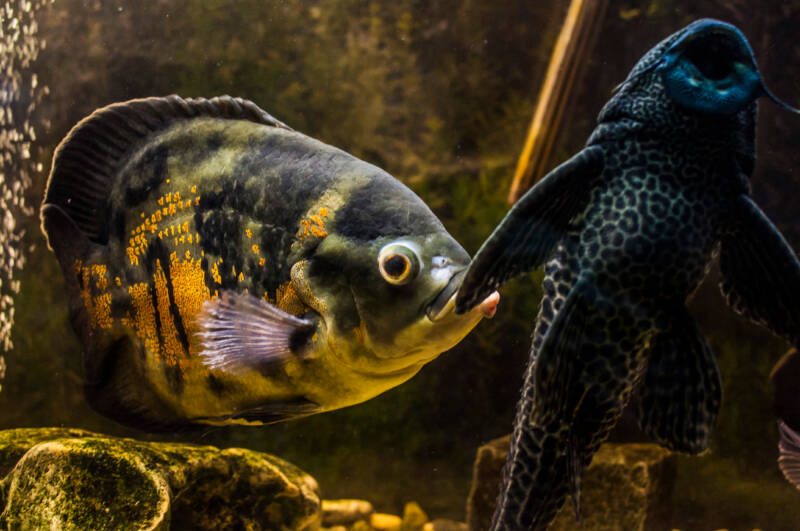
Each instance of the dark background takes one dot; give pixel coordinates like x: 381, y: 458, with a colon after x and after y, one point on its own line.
x: 439, y: 93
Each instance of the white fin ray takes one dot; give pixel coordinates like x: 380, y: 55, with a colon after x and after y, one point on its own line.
x: 239, y: 331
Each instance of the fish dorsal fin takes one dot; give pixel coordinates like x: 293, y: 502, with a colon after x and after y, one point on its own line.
x: 90, y: 156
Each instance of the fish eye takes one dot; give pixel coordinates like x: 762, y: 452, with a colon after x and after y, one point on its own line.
x: 398, y: 264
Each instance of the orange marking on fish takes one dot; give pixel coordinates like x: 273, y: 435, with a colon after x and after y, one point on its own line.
x: 215, y: 274
x: 189, y: 290
x: 145, y: 317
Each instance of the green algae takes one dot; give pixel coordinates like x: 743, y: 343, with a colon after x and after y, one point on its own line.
x: 78, y: 480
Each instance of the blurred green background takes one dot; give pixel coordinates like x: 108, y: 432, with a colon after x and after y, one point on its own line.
x: 439, y: 93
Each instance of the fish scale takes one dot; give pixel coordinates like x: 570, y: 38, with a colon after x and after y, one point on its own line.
x: 628, y: 229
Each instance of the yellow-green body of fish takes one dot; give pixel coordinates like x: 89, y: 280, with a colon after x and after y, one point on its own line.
x: 223, y: 268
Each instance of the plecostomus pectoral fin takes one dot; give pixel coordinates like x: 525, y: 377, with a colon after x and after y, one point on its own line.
x: 239, y: 331
x: 761, y: 274
x: 532, y: 228
x: 681, y: 392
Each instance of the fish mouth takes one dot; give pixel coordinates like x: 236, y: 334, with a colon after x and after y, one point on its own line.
x: 445, y: 302
x: 713, y: 47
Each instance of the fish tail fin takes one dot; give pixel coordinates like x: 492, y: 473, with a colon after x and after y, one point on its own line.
x: 789, y: 457
x: 71, y: 247
x: 87, y: 162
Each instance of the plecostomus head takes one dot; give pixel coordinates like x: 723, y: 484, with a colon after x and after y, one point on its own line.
x: 704, y: 70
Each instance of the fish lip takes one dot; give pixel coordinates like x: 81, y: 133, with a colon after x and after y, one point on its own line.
x: 445, y: 301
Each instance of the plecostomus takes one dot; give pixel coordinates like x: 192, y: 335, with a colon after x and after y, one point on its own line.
x: 628, y: 228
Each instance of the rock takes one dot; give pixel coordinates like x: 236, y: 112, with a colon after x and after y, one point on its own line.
x: 79, y: 480
x: 625, y: 487
x: 14, y: 443
x: 345, y: 512
x: 441, y: 524
x: 414, y: 518
x: 385, y: 522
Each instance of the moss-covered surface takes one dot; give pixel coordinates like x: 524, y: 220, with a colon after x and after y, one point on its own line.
x: 79, y: 480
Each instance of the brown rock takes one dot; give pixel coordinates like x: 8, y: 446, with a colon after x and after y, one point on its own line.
x: 625, y: 487
x: 441, y: 524
x: 385, y: 522
x: 345, y: 512
x: 414, y: 518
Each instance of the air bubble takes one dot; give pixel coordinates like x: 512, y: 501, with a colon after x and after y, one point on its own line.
x: 20, y: 92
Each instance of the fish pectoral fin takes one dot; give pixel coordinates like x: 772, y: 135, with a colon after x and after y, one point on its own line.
x: 760, y: 272
x: 239, y: 331
x: 681, y: 392
x: 789, y: 453
x: 532, y: 228
x: 554, y: 368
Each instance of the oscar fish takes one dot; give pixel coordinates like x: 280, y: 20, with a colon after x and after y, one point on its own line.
x: 222, y: 268
x: 627, y: 230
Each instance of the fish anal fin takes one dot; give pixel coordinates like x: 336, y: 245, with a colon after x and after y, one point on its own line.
x: 115, y: 387
x: 760, y: 272
x: 239, y: 331
x: 532, y: 228
x: 279, y: 410
x: 681, y: 391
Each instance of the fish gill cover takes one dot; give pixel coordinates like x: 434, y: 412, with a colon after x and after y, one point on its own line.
x: 19, y: 93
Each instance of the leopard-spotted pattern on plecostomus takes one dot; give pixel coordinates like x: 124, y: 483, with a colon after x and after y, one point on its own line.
x: 631, y: 225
